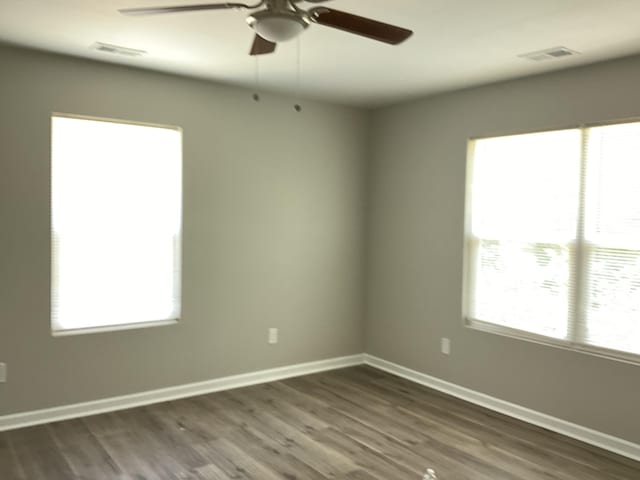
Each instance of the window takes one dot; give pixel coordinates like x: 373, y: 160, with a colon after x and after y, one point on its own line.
x: 116, y: 224
x: 553, y: 238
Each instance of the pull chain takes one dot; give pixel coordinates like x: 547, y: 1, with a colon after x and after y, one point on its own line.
x: 297, y: 106
x: 256, y: 95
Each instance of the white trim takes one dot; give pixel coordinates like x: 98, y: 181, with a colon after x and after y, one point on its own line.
x: 584, y: 434
x: 601, y: 352
x: 66, y: 332
x: 37, y: 417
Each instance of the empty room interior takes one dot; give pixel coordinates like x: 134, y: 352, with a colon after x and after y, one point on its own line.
x: 348, y: 240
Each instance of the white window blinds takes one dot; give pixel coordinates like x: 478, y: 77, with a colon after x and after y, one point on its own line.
x: 553, y: 238
x: 611, y: 302
x: 116, y: 224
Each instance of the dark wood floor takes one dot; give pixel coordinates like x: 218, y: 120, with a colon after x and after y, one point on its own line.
x: 352, y: 424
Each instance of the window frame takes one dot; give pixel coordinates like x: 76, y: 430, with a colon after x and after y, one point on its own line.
x: 123, y: 326
x: 468, y: 257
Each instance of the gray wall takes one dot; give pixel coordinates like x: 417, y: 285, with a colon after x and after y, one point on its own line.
x: 273, y: 236
x: 273, y: 229
x: 416, y: 243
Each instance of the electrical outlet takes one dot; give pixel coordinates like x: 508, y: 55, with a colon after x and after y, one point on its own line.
x: 445, y: 346
x: 273, y: 335
x: 3, y: 372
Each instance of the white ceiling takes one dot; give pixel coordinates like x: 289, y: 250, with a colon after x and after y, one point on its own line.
x: 457, y: 43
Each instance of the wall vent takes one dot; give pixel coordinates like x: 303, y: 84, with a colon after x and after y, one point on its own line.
x: 117, y: 50
x: 549, y: 54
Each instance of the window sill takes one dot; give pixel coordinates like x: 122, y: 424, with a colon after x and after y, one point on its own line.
x: 112, y: 328
x: 552, y: 342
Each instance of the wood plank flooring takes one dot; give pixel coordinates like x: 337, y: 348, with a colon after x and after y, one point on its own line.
x: 352, y: 424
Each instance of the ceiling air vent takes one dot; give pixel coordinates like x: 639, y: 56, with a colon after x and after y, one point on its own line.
x: 549, y: 54
x: 117, y: 50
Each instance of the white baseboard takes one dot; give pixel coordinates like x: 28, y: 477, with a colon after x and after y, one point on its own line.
x: 37, y: 417
x: 584, y: 434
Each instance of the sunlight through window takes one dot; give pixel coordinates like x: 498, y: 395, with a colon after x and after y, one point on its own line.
x: 553, y: 238
x: 116, y: 223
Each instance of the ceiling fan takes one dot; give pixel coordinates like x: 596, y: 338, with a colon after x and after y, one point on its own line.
x: 282, y: 20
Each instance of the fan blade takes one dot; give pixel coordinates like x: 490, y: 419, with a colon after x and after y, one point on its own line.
x: 183, y: 8
x: 383, y: 32
x: 261, y: 46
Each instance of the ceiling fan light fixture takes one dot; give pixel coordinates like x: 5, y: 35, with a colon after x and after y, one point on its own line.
x: 277, y: 26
